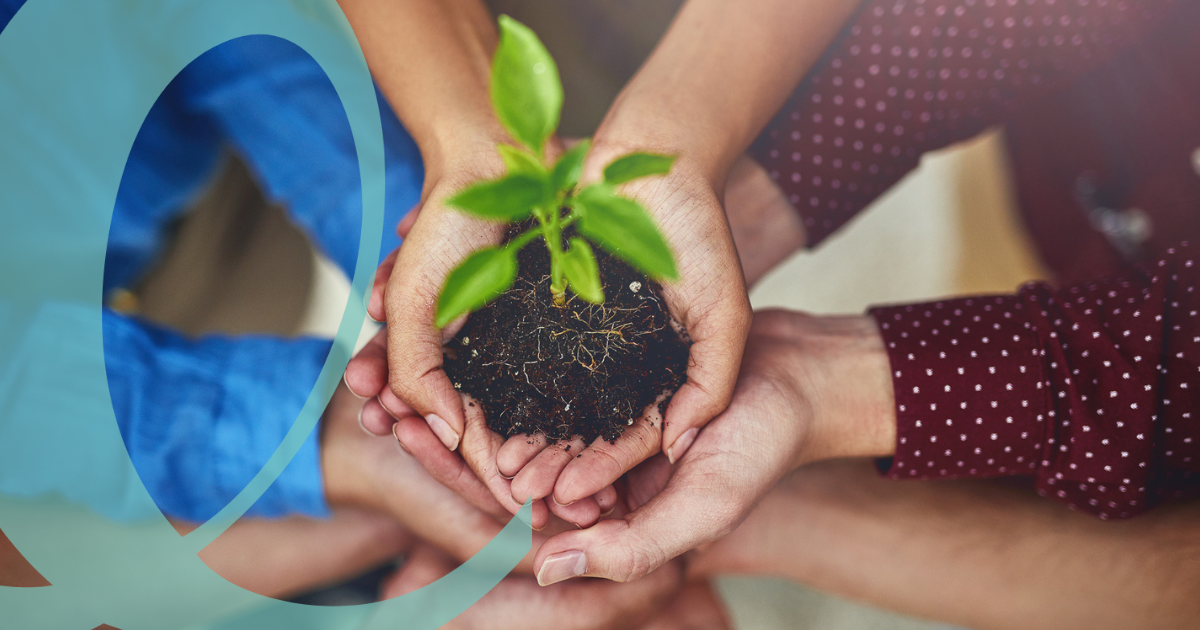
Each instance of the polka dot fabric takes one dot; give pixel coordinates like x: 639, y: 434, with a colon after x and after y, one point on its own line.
x: 910, y: 76
x: 1091, y: 389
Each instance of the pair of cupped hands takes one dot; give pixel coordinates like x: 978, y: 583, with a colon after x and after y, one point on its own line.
x: 764, y: 394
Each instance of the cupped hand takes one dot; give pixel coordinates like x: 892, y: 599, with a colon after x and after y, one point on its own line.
x: 810, y: 388
x: 765, y: 229
x: 410, y: 361
x: 709, y: 300
x: 519, y: 603
x: 448, y: 507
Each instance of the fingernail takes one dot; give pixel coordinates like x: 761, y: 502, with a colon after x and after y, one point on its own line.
x: 360, y: 422
x: 610, y: 511
x: 443, y: 431
x: 555, y: 499
x: 346, y: 382
x: 395, y: 428
x: 681, y: 446
x: 562, y: 566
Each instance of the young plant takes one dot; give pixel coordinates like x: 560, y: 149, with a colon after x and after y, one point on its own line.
x: 527, y: 96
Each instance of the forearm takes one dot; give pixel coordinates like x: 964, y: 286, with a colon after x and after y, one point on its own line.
x: 719, y: 74
x: 285, y: 557
x: 432, y: 60
x: 977, y: 554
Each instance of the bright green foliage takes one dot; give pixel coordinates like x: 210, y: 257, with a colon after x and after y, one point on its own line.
x: 518, y: 161
x: 526, y: 92
x: 637, y: 165
x: 527, y: 96
x: 510, y: 198
x: 482, y: 277
x: 623, y: 227
x: 579, y: 264
x: 570, y: 166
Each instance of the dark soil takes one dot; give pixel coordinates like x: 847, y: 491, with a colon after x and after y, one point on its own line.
x: 583, y: 370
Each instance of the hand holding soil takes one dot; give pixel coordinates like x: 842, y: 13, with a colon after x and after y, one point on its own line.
x: 810, y: 389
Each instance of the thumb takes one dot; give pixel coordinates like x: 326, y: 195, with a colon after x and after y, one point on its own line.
x: 716, y: 354
x: 416, y: 377
x: 683, y: 516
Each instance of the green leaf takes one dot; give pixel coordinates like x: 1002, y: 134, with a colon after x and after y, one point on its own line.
x: 637, y: 165
x: 480, y: 278
x: 625, y: 229
x: 579, y: 264
x: 510, y: 198
x: 526, y: 91
x: 518, y: 160
x: 569, y: 167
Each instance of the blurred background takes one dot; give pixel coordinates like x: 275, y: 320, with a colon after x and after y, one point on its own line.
x: 237, y: 265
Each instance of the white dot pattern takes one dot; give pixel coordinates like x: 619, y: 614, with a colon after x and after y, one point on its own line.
x: 910, y: 76
x: 1091, y: 389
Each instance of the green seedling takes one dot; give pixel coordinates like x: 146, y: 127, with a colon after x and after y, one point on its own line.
x: 527, y: 96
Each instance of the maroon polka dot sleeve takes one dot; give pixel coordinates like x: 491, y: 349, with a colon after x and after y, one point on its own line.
x: 910, y: 76
x: 1091, y: 389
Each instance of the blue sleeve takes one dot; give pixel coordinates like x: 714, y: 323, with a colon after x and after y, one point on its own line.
x: 200, y: 417
x: 276, y: 106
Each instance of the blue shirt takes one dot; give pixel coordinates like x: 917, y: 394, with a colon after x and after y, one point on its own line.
x: 201, y: 416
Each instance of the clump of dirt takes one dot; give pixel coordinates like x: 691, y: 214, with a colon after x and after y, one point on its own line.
x: 583, y: 370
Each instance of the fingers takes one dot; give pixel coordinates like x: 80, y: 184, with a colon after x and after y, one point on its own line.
x: 374, y: 419
x: 517, y: 451
x: 603, y: 462
x: 606, y: 500
x: 406, y: 224
x: 375, y: 305
x: 447, y: 468
x: 705, y: 498
x: 675, y: 521
x: 480, y: 446
x: 537, y: 478
x: 367, y: 372
x: 582, y: 513
x: 518, y: 602
x: 718, y: 339
x: 379, y: 414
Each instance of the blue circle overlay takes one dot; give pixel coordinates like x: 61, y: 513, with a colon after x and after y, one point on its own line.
x: 76, y: 81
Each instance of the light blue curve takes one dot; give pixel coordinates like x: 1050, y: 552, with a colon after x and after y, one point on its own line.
x: 77, y: 79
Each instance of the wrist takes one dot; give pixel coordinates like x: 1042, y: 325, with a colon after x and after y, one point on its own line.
x: 462, y: 147
x: 633, y: 124
x: 854, y: 413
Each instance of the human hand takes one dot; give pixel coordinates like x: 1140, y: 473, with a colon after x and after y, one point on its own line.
x: 518, y: 602
x: 448, y: 506
x: 810, y: 388
x: 709, y: 300
x: 765, y: 229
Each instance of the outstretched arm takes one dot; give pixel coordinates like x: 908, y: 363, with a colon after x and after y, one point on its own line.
x: 978, y: 554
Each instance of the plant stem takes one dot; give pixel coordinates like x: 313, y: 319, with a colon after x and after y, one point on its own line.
x: 552, y: 231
